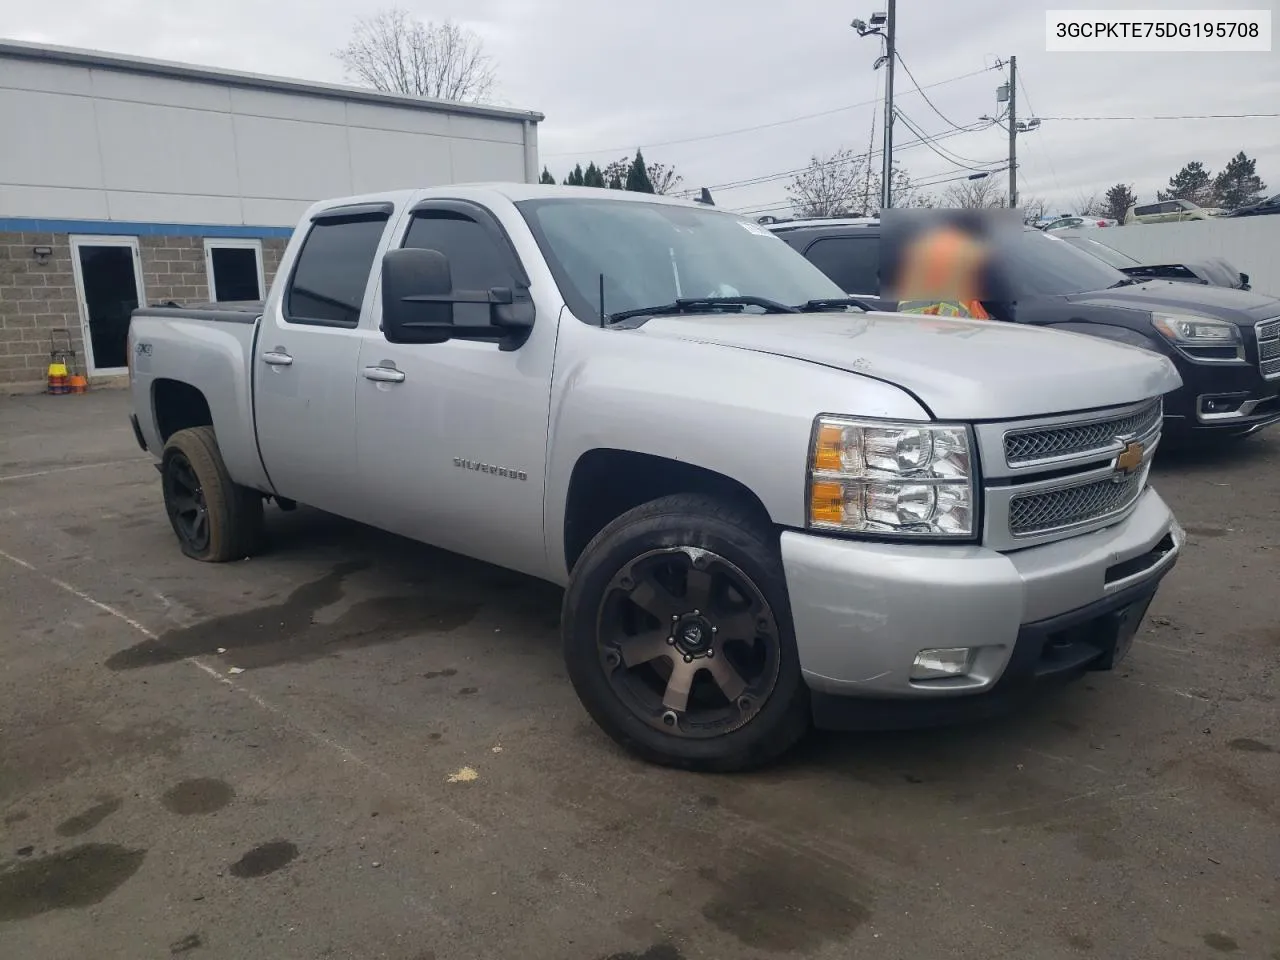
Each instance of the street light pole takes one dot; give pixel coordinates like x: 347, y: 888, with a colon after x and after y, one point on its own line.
x: 886, y: 186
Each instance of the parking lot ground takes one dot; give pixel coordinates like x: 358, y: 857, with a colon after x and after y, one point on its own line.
x: 388, y: 761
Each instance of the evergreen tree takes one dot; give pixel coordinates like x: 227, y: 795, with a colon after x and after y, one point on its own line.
x: 638, y: 176
x: 1119, y: 199
x: 593, y: 177
x: 575, y: 177
x: 546, y: 177
x: 615, y: 183
x: 1238, y: 185
x: 1193, y: 182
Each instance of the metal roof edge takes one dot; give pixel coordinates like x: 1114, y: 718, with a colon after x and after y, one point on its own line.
x: 76, y: 56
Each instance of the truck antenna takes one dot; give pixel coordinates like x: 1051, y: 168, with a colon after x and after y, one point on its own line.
x: 602, y: 299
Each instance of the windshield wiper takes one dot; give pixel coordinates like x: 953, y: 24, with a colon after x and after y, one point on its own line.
x: 818, y: 306
x: 1127, y: 282
x: 703, y: 305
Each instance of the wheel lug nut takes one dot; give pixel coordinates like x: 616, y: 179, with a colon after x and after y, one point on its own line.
x: 670, y: 718
x: 671, y: 641
x: 674, y: 618
x: 715, y: 629
x: 697, y: 613
x: 688, y: 659
x: 710, y: 654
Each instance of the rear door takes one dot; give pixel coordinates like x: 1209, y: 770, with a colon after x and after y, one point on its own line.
x: 452, y: 437
x: 306, y: 359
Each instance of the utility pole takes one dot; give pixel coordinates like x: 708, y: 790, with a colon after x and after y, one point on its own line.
x: 1013, y: 133
x: 886, y: 186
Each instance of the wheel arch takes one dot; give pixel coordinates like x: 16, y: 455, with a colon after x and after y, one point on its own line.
x: 607, y: 482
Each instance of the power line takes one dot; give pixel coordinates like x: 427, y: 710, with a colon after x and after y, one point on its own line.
x: 956, y: 159
x: 920, y: 91
x: 783, y: 174
x: 1185, y: 116
x: 1048, y: 156
x: 761, y: 126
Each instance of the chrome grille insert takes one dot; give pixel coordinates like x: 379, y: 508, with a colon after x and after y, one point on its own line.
x: 1268, y: 332
x: 1032, y: 514
x: 1046, y: 444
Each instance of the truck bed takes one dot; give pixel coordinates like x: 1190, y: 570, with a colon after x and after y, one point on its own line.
x: 239, y: 311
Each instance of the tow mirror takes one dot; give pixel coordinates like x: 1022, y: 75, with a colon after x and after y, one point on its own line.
x: 418, y: 303
x: 417, y: 286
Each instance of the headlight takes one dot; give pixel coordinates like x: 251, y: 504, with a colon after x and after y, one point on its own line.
x: 1192, y: 331
x: 891, y: 479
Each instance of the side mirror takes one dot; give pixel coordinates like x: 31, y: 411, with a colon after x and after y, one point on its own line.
x: 417, y: 286
x: 418, y: 303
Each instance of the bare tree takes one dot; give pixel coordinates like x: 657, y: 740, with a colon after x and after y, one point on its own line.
x: 664, y: 178
x: 830, y: 187
x: 984, y: 194
x: 1033, y: 208
x: 1088, y: 203
x: 397, y: 53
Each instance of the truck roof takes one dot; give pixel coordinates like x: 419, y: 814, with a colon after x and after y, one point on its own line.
x: 514, y: 192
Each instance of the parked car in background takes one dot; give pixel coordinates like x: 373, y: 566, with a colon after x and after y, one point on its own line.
x: 1169, y: 211
x: 1224, y: 342
x: 1072, y: 223
x: 745, y: 482
x: 1259, y: 209
x: 1212, y: 270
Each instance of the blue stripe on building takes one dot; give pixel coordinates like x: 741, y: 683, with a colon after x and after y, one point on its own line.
x: 126, y: 228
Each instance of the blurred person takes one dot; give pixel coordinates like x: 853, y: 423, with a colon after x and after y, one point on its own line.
x: 946, y: 267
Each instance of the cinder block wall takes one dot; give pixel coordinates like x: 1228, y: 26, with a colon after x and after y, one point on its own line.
x: 38, y: 298
x: 35, y: 299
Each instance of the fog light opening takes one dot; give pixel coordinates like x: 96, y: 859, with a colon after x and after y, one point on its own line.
x: 939, y: 662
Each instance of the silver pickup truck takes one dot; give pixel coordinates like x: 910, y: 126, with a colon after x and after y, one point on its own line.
x: 769, y: 507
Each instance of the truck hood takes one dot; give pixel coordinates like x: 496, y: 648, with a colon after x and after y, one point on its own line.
x: 959, y: 369
x: 1243, y: 307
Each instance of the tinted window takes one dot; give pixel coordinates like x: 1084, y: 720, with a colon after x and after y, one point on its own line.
x: 333, y: 270
x: 852, y: 262
x: 1038, y: 264
x: 651, y: 253
x: 476, y: 258
x: 1147, y: 210
x: 235, y: 273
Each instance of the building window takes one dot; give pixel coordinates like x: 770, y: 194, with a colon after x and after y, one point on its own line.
x: 234, y: 268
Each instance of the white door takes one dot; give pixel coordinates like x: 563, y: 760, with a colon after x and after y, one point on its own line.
x: 108, y: 276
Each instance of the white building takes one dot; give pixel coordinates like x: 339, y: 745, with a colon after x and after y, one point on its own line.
x: 127, y: 181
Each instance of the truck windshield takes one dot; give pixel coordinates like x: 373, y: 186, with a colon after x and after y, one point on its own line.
x: 1037, y: 265
x: 657, y: 253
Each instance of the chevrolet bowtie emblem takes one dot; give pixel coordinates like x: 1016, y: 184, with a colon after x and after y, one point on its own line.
x: 1130, y: 458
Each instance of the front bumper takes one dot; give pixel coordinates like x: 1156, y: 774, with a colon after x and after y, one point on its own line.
x: 1248, y: 401
x: 862, y: 611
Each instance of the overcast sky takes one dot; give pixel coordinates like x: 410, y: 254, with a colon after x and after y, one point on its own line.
x: 613, y: 76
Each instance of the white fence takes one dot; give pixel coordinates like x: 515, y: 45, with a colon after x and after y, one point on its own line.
x: 1251, y: 244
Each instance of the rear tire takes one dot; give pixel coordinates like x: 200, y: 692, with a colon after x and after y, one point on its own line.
x: 214, y: 518
x: 678, y: 637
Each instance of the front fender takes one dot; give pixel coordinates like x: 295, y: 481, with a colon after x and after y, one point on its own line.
x: 742, y: 414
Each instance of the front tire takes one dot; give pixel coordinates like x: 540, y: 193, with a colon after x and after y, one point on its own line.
x: 214, y: 518
x: 678, y: 636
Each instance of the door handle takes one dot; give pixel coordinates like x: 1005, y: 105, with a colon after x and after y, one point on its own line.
x: 384, y: 374
x: 277, y: 359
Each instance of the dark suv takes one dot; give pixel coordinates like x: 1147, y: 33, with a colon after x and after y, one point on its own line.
x: 1224, y: 342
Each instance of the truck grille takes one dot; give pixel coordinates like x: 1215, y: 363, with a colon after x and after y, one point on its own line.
x: 1268, y: 332
x: 1079, y: 439
x: 1037, y: 513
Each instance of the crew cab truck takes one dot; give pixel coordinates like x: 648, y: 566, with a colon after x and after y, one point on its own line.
x: 768, y: 506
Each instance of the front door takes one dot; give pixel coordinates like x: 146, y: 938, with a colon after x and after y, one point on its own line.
x: 305, y: 362
x: 451, y: 437
x: 108, y: 278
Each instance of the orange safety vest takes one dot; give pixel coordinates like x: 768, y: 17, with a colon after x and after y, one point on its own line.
x: 941, y: 276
